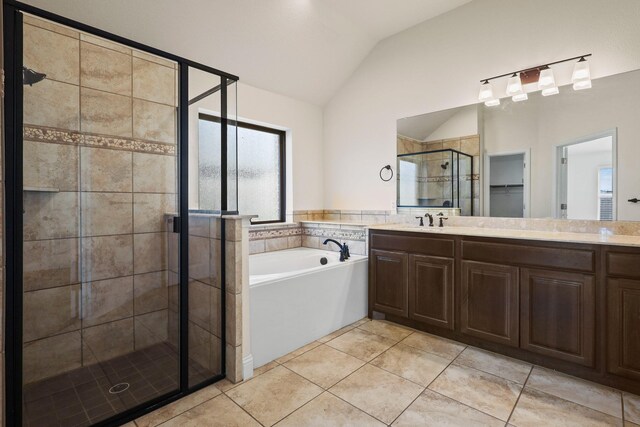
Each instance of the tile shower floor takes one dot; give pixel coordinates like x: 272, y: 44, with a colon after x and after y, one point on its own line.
x: 374, y: 373
x: 81, y: 397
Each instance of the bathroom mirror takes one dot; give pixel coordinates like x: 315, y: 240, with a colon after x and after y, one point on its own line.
x: 571, y: 155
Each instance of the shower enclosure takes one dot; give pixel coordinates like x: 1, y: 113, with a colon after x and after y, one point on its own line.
x: 436, y: 179
x: 115, y: 276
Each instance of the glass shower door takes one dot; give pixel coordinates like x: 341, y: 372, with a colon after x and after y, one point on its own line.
x: 100, y: 330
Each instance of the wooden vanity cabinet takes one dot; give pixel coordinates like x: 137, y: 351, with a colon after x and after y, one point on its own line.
x: 489, y: 302
x: 623, y: 313
x: 388, y: 282
x: 573, y: 307
x: 557, y: 314
x: 431, y: 290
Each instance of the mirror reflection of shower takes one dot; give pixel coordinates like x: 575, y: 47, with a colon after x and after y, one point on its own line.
x: 30, y: 77
x: 445, y: 165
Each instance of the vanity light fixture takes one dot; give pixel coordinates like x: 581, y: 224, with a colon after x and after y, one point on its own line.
x: 486, y: 95
x: 541, y: 75
x: 514, y: 89
x: 547, y: 82
x: 581, y: 77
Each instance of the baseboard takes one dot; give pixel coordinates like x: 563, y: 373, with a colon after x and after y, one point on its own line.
x: 247, y: 367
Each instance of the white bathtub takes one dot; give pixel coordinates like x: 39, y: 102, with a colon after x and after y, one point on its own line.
x: 296, y: 300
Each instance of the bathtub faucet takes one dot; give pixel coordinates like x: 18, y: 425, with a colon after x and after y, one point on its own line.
x: 344, y: 249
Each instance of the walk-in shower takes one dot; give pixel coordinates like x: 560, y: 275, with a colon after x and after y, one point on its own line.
x: 115, y: 294
x: 436, y: 179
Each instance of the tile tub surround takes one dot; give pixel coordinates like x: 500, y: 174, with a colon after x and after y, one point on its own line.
x: 95, y: 240
x: 412, y: 379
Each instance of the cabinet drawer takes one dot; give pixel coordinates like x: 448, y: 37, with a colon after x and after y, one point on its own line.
x: 535, y: 256
x: 623, y: 264
x: 413, y: 244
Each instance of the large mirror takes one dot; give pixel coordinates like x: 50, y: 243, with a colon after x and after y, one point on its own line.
x: 571, y: 155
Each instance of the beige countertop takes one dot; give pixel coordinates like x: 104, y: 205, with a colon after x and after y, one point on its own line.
x: 503, y: 233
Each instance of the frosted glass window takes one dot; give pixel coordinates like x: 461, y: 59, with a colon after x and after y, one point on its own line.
x: 260, y: 173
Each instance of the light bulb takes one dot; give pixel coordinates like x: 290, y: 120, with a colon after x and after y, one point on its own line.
x: 486, y: 92
x: 581, y: 71
x: 546, y: 79
x: 514, y: 85
x: 492, y: 102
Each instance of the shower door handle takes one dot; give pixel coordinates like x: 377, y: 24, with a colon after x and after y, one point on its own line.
x: 177, y: 224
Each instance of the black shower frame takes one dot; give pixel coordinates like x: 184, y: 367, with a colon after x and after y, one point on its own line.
x: 13, y: 164
x: 449, y: 150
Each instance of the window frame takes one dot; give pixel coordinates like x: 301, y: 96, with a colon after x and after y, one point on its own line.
x: 282, y: 140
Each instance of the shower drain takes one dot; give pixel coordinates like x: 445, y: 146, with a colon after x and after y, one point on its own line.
x: 119, y: 388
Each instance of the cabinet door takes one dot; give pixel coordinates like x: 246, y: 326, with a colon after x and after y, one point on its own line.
x: 557, y: 314
x: 431, y: 290
x: 624, y: 327
x: 388, y: 277
x: 489, y: 302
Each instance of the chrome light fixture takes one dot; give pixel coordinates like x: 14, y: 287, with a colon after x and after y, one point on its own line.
x: 581, y: 77
x: 541, y: 75
x: 547, y: 82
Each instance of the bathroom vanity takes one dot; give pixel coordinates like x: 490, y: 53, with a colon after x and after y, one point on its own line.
x: 567, y: 301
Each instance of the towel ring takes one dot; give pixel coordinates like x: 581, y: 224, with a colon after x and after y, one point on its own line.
x: 388, y: 167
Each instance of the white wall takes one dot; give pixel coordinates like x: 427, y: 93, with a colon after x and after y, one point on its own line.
x: 463, y: 123
x: 438, y: 64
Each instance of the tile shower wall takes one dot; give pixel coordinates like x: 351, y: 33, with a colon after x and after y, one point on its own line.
x: 99, y: 174
x: 435, y: 182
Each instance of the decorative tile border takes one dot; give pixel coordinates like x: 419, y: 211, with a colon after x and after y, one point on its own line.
x: 275, y: 233
x: 83, y: 139
x: 335, y: 233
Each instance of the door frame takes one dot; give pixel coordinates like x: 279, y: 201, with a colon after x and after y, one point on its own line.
x: 13, y: 222
x: 526, y: 175
x: 557, y: 155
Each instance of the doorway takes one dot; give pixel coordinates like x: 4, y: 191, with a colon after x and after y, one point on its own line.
x: 586, y: 178
x: 507, y: 184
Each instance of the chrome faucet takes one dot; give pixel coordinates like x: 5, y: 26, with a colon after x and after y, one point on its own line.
x: 344, y: 249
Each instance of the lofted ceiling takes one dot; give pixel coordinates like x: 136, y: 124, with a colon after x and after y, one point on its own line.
x: 304, y: 49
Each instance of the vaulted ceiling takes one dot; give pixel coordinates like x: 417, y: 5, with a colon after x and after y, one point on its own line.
x: 304, y: 49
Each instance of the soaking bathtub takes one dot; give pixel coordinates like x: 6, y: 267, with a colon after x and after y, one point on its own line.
x: 295, y: 300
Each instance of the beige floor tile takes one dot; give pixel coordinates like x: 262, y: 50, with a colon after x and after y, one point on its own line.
x: 436, y: 345
x: 433, y: 409
x: 410, y: 363
x: 360, y: 322
x: 628, y: 424
x: 298, y: 352
x: 264, y: 368
x: 328, y: 410
x: 361, y: 344
x: 496, y: 364
x: 631, y: 408
x: 226, y: 385
x: 178, y: 407
x: 591, y: 395
x: 387, y: 330
x: 485, y: 392
x: 217, y: 412
x: 540, y: 409
x: 336, y: 334
x: 377, y: 392
x: 274, y: 395
x: 324, y: 365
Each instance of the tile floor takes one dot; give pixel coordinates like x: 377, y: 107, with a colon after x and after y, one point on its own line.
x: 81, y: 397
x: 374, y: 373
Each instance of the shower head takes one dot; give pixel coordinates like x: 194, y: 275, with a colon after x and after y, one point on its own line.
x: 29, y: 76
x: 445, y: 165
